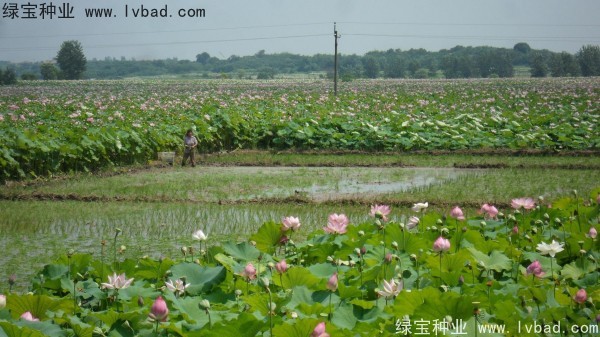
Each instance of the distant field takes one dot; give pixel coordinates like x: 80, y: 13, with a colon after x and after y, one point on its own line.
x: 52, y: 127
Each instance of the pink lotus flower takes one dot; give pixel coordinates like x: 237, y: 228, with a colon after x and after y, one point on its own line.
x: 29, y: 317
x: 281, y: 267
x: 319, y: 331
x: 535, y: 268
x: 413, y: 221
x: 117, y: 282
x: 159, y: 311
x: 489, y: 211
x: 441, y: 245
x: 336, y: 224
x: 457, y: 213
x: 380, y: 212
x: 581, y: 296
x: 526, y: 203
x: 332, y: 283
x: 290, y: 222
x: 249, y: 272
x: 593, y: 233
x: 515, y: 230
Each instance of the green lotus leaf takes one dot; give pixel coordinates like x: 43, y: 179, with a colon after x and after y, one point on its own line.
x: 243, y: 251
x: 38, y: 305
x: 200, y: 279
x: 495, y: 261
x: 267, y: 237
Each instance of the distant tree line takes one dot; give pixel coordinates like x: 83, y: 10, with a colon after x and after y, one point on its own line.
x: 457, y: 62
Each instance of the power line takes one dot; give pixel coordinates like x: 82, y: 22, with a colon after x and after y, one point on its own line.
x: 164, y: 31
x: 300, y: 25
x: 471, y: 24
x: 172, y: 42
x: 534, y: 38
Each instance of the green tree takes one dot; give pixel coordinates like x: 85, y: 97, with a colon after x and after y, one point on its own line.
x: 371, y: 67
x: 539, y: 68
x: 522, y: 47
x: 266, y: 73
x: 48, y: 71
x: 589, y: 60
x: 9, y: 76
x: 563, y: 64
x: 71, y: 60
x: 203, y: 58
x: 394, y: 67
x: 28, y: 76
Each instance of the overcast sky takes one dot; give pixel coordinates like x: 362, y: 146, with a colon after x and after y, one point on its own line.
x: 243, y: 27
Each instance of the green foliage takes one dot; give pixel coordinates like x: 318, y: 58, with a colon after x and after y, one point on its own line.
x: 120, y: 125
x: 8, y: 76
x: 486, y: 277
x: 589, y: 60
x: 71, y: 60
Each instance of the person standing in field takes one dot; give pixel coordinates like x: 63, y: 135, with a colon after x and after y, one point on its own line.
x: 190, y: 142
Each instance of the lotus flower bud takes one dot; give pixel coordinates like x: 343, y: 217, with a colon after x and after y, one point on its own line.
x: 332, y: 283
x: 265, y: 282
x: 159, y: 311
x: 593, y: 233
x: 581, y: 296
x: 204, y: 304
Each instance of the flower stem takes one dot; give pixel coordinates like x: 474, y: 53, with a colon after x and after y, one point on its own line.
x: 441, y: 268
x: 457, y: 246
x: 270, y: 312
x: 330, y: 309
x: 384, y: 263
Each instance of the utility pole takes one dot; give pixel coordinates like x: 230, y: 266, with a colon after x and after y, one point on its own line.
x: 335, y: 59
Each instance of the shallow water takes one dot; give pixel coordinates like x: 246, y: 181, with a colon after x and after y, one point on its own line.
x: 33, y: 233
x: 364, y: 183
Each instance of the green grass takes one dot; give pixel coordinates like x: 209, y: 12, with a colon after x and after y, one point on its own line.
x: 440, y: 184
x: 264, y: 158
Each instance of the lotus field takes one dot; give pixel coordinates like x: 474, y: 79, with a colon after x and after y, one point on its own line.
x: 47, y: 128
x: 513, y: 272
x: 518, y: 266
